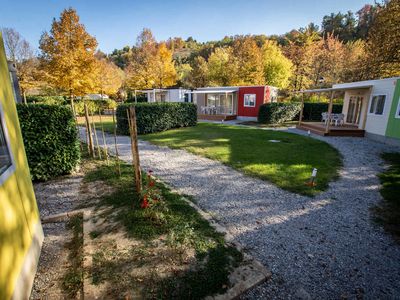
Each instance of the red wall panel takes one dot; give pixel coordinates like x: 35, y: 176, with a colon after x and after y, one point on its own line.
x: 262, y: 96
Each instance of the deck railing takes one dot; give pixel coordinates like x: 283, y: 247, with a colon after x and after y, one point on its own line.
x: 217, y: 110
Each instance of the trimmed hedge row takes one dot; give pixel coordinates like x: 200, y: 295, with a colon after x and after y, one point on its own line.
x: 278, y: 113
x: 50, y: 139
x: 38, y: 99
x: 313, y: 111
x: 155, y: 117
x: 93, y: 106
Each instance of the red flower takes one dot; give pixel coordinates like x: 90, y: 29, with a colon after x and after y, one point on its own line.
x: 145, y: 204
x: 151, y: 183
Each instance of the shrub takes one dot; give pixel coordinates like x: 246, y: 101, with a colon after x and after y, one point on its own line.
x: 51, y: 100
x: 155, y: 117
x: 278, y: 113
x: 93, y: 106
x: 313, y: 111
x: 50, y: 139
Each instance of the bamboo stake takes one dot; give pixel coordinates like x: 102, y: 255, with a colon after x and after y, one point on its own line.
x: 95, y: 137
x: 104, y: 138
x: 89, y: 132
x: 134, y: 147
x: 116, y: 146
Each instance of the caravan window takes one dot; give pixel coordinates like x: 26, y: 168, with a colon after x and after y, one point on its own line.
x: 398, y: 110
x: 249, y: 100
x: 377, y: 105
x: 5, y: 157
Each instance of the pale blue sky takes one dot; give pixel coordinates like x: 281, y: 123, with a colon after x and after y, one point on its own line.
x: 117, y: 23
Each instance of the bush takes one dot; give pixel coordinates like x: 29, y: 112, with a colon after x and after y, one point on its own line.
x: 93, y: 106
x: 51, y: 100
x: 50, y: 139
x: 313, y: 111
x: 155, y: 117
x: 278, y: 113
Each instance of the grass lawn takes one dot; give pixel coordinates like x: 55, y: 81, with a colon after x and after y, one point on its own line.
x: 388, y: 213
x: 107, y: 122
x: 167, y: 251
x: 288, y: 163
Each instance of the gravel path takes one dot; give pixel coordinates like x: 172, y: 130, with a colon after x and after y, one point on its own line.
x: 323, y: 247
x: 54, y: 197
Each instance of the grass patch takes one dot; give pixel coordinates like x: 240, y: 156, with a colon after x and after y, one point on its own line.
x: 288, y: 164
x: 73, y: 280
x: 388, y: 212
x: 106, y: 120
x: 164, y: 234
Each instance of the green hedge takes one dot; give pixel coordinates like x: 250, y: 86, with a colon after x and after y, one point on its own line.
x: 93, y: 106
x: 278, y: 113
x: 37, y: 99
x: 155, y: 117
x: 50, y: 139
x: 313, y: 111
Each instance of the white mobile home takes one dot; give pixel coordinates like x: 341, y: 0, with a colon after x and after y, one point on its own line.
x: 168, y: 95
x: 370, y: 108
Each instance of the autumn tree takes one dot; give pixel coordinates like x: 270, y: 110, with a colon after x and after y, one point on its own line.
x: 249, y: 61
x: 300, y: 50
x: 222, y: 67
x: 109, y: 77
x: 141, y: 67
x: 67, y: 55
x: 383, y: 42
x: 198, y: 76
x: 27, y: 65
x: 165, y: 73
x: 277, y: 69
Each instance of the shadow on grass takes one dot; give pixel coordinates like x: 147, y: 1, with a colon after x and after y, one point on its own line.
x: 287, y: 163
x: 178, y: 223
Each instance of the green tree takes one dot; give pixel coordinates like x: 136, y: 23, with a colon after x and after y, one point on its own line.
x: 277, y: 68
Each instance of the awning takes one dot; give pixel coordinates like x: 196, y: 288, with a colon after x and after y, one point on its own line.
x: 334, y: 89
x: 210, y: 91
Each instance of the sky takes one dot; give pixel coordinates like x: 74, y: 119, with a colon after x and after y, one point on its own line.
x: 116, y: 23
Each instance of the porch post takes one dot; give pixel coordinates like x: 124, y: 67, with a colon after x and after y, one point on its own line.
x: 365, y: 102
x: 329, y: 113
x: 154, y: 95
x: 302, y: 108
x: 232, y: 107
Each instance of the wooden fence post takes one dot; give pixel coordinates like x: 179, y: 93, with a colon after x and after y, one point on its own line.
x: 135, y: 149
x: 95, y: 137
x: 115, y: 143
x: 89, y: 131
x: 104, y: 138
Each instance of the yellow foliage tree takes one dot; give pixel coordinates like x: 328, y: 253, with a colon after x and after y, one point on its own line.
x: 68, y: 55
x: 277, y: 68
x: 249, y: 62
x: 109, y: 77
x: 222, y: 67
x: 383, y: 43
x: 165, y: 73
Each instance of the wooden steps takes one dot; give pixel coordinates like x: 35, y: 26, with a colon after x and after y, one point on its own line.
x: 216, y: 117
x: 333, y: 130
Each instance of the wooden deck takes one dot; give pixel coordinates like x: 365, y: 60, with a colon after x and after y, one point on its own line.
x: 216, y: 117
x: 319, y: 128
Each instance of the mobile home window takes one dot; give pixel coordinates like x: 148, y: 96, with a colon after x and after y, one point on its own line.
x: 250, y: 100
x: 377, y: 105
x: 5, y: 157
x: 398, y: 110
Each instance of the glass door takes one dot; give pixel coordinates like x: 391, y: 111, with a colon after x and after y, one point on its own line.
x: 354, y: 110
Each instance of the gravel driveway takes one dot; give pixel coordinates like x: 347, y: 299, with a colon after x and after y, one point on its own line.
x: 322, y: 247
